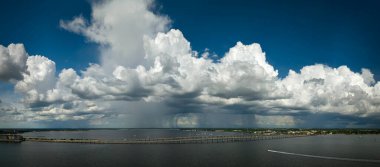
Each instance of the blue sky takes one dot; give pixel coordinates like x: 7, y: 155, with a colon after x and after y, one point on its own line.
x: 293, y: 34
x: 37, y: 26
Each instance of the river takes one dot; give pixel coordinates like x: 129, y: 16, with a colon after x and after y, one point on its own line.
x: 324, y: 150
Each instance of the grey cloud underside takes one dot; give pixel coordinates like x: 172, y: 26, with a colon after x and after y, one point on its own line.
x: 12, y: 62
x: 149, y: 72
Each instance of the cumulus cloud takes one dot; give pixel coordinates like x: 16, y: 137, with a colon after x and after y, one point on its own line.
x: 243, y: 79
x: 146, y: 65
x: 319, y: 88
x: 12, y: 62
x: 119, y: 27
x: 51, y: 98
x: 39, y: 78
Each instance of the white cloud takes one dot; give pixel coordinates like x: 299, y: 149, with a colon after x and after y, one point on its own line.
x: 183, y: 80
x: 244, y: 73
x: 319, y: 88
x: 38, y: 78
x: 12, y: 62
x: 144, y: 63
x: 119, y: 26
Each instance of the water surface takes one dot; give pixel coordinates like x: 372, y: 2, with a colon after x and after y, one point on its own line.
x: 254, y: 153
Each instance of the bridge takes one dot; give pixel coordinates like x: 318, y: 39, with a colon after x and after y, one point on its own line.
x: 172, y: 140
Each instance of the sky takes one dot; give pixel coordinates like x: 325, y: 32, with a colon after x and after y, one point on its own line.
x: 170, y: 64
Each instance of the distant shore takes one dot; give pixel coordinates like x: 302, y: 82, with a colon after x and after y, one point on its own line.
x: 300, y: 131
x: 239, y: 135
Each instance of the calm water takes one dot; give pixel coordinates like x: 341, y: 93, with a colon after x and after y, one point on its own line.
x: 124, y: 134
x: 228, y: 154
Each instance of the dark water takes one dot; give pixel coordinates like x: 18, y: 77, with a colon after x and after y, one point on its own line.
x: 124, y: 134
x: 254, y: 153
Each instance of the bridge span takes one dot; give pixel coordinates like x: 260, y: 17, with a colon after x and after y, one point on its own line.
x: 172, y: 140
